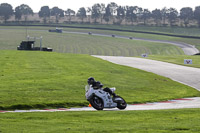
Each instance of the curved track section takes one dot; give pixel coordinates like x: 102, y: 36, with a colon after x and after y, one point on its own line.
x: 192, y: 102
x: 186, y: 75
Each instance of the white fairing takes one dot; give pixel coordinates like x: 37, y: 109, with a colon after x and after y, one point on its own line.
x: 113, y: 89
x: 105, y: 96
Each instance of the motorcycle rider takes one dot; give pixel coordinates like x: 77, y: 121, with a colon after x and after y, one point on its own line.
x: 98, y: 85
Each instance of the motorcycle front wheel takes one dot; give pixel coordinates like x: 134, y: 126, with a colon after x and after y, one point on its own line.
x: 121, y: 105
x: 97, y: 103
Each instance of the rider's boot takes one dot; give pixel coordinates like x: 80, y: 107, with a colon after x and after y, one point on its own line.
x: 114, y: 95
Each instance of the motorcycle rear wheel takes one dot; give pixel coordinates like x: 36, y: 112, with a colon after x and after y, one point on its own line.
x: 97, y: 103
x: 121, y: 105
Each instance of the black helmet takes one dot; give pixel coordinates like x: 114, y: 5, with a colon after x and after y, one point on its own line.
x: 97, y: 85
x: 91, y: 80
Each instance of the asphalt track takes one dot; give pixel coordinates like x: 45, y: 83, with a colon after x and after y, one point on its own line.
x: 183, y: 74
x: 193, y: 102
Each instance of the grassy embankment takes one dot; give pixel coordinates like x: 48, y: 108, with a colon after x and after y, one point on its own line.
x: 185, y: 31
x: 85, y: 44
x: 40, y: 79
x: 178, y: 59
x: 160, y: 121
x: 167, y: 30
x: 195, y: 42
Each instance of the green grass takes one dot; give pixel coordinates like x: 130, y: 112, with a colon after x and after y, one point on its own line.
x: 159, y: 121
x: 85, y: 44
x: 179, y: 31
x: 188, y: 31
x: 167, y: 30
x: 195, y: 42
x: 178, y: 59
x: 42, y: 79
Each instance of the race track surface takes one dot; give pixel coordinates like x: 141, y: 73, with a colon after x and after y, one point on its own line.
x: 183, y: 74
x: 192, y: 102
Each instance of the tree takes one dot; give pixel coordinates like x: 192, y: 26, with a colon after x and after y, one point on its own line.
x: 89, y: 11
x: 81, y: 13
x: 157, y: 15
x: 139, y: 13
x: 120, y: 14
x: 197, y: 14
x: 44, y: 13
x: 127, y: 13
x: 23, y: 10
x: 18, y: 14
x: 164, y: 15
x: 145, y: 15
x: 113, y: 8
x: 6, y: 11
x: 186, y: 14
x: 96, y: 12
x: 57, y: 12
x: 131, y: 13
x: 102, y: 10
x: 69, y: 13
x: 172, y: 15
x: 107, y: 14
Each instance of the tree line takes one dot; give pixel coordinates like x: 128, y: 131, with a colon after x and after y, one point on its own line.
x: 108, y: 13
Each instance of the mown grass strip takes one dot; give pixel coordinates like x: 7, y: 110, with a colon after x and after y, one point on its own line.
x: 178, y: 59
x: 85, y: 44
x: 169, y: 121
x: 180, y: 31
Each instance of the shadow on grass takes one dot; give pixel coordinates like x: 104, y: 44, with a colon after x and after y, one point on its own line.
x: 44, y: 105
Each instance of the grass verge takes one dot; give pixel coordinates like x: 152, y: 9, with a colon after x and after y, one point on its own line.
x: 164, y: 121
x: 178, y: 59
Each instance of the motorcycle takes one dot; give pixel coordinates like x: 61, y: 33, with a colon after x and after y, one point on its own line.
x: 100, y: 99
